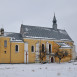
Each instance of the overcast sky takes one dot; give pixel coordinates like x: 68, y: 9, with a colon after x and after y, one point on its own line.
x: 39, y: 13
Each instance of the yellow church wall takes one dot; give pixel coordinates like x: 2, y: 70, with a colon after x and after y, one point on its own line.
x: 11, y: 56
x: 17, y: 57
x: 4, y: 57
x: 55, y: 48
x: 32, y: 42
x: 31, y: 55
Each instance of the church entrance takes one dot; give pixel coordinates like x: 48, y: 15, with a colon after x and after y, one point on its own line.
x: 52, y: 59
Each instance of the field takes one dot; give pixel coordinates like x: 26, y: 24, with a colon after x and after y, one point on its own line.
x: 39, y: 70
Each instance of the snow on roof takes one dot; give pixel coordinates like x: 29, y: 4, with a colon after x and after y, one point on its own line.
x: 63, y: 45
x: 63, y: 32
x: 64, y: 39
x: 7, y: 33
x: 38, y: 37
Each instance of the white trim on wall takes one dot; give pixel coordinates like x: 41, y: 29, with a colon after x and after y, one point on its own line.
x: 26, y: 52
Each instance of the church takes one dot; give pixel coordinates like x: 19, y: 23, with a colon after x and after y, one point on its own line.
x: 35, y: 44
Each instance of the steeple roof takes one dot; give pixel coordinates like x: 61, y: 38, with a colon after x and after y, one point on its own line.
x: 54, y: 19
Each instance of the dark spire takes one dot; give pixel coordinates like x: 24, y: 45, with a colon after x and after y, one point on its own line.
x: 54, y: 19
x: 54, y: 22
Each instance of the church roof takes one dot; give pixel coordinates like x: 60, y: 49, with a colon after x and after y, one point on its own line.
x: 43, y: 32
x: 14, y: 36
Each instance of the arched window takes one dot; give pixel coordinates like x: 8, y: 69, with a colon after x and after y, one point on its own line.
x: 32, y: 48
x: 16, y: 48
x: 43, y: 48
x: 50, y: 48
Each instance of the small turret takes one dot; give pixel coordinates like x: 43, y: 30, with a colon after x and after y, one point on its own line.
x: 2, y: 31
x: 54, y: 23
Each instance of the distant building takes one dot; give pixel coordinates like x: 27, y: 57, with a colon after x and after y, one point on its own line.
x: 35, y: 44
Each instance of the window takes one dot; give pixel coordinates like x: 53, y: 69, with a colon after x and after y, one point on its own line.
x: 32, y: 48
x: 42, y: 47
x: 5, y: 43
x: 16, y: 48
x: 49, y: 48
x: 5, y: 52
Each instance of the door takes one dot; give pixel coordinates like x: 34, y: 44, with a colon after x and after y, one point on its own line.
x: 52, y: 60
x: 26, y: 53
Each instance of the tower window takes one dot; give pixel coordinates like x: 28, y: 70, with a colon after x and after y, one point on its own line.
x: 16, y: 48
x: 32, y: 48
x: 43, y: 48
x: 5, y: 43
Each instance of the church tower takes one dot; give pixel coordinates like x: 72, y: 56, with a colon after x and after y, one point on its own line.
x: 54, y: 23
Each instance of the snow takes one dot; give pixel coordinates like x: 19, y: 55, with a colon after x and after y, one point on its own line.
x: 64, y: 39
x: 66, y: 46
x: 47, y: 29
x: 63, y: 32
x: 63, y: 45
x: 26, y: 29
x: 39, y: 70
x: 17, y: 40
x: 8, y: 33
x: 55, y: 30
x: 13, y: 39
x: 38, y: 37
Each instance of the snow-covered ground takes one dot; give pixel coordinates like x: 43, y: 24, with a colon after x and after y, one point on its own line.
x: 39, y: 70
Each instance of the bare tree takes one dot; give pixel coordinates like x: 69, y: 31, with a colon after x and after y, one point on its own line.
x: 61, y: 54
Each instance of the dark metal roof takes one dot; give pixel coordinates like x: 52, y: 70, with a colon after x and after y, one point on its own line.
x: 15, y: 36
x: 43, y: 32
